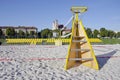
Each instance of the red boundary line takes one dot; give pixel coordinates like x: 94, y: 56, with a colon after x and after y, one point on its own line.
x: 44, y: 59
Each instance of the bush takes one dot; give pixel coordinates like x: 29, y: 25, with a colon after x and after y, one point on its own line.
x: 0, y: 43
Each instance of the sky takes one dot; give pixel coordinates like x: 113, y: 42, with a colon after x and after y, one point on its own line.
x: 41, y: 13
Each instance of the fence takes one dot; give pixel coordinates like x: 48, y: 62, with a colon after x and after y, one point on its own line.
x: 37, y: 40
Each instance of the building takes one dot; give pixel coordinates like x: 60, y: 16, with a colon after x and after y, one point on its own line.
x: 66, y: 31
x: 23, y: 28
x: 55, y: 25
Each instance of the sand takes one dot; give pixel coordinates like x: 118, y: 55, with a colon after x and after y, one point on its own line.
x: 46, y: 62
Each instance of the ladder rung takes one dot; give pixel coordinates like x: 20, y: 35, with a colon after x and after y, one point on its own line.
x: 78, y: 37
x: 80, y: 49
x: 79, y: 41
x: 77, y: 59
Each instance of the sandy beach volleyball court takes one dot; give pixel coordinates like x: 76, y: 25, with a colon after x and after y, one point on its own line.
x: 46, y: 62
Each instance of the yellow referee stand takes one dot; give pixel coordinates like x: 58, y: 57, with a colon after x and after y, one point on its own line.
x: 80, y: 50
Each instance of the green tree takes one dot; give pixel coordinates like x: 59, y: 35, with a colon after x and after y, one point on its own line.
x: 118, y: 35
x: 46, y: 33
x: 103, y: 32
x: 27, y: 34
x: 95, y: 33
x: 32, y: 34
x: 21, y: 34
x: 89, y: 32
x: 35, y: 34
x: 10, y: 32
x: 1, y: 33
x: 112, y: 34
x: 16, y: 34
x: 50, y: 35
x: 39, y: 34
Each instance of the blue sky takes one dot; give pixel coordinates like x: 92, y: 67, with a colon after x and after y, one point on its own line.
x: 41, y: 13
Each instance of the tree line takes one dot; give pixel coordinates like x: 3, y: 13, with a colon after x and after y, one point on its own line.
x: 48, y: 33
x: 102, y: 33
x: 11, y: 33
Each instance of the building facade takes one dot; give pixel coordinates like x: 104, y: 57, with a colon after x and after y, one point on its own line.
x: 17, y: 29
x: 66, y: 31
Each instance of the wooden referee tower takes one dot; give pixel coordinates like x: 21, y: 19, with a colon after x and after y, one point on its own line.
x: 80, y: 50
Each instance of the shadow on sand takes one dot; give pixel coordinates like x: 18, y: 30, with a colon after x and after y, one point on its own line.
x: 102, y: 59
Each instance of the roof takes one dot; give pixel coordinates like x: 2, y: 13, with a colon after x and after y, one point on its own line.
x: 67, y: 30
x: 19, y: 27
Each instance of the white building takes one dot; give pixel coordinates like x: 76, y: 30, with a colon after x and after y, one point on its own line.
x: 55, y: 25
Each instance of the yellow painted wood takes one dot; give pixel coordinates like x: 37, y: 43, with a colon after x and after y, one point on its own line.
x: 79, y: 9
x: 78, y: 33
x: 71, y: 63
x: 93, y: 64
